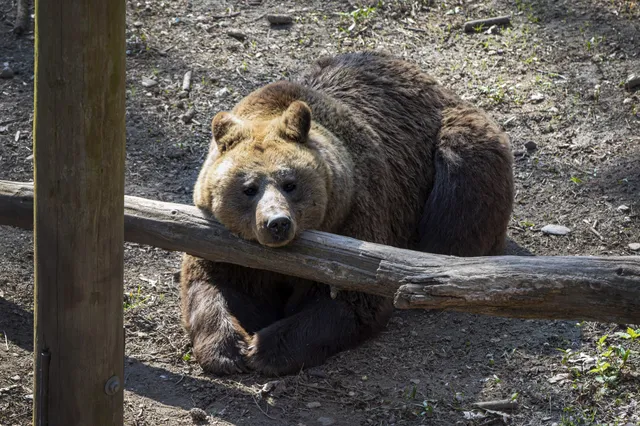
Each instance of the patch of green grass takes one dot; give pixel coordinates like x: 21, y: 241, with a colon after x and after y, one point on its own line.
x: 359, y: 16
x: 426, y: 409
x: 134, y: 299
x: 526, y: 8
x: 575, y: 416
x: 593, y: 43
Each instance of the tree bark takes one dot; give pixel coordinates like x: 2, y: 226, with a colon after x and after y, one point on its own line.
x: 79, y: 154
x: 605, y: 289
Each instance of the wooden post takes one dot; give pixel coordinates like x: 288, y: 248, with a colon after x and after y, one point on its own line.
x: 79, y: 149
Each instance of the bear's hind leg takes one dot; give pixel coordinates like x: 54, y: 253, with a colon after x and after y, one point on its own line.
x: 321, y: 329
x: 470, y: 205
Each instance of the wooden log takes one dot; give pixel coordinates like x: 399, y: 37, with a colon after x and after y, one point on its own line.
x: 603, y: 289
x: 79, y: 152
x: 473, y: 26
x: 22, y: 17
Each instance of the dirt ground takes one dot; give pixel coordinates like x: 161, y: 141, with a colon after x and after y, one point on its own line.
x: 554, y: 79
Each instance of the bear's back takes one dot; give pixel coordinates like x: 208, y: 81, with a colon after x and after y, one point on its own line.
x: 400, y: 107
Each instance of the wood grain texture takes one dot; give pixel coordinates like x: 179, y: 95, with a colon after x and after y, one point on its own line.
x: 603, y: 289
x: 79, y: 152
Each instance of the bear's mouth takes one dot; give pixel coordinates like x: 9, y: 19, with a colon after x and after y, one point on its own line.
x: 274, y: 241
x: 277, y: 244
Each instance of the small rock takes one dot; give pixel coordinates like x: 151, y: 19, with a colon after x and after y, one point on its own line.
x: 415, y: 381
x: 198, y: 414
x: 238, y: 35
x: 530, y: 146
x: 29, y: 397
x: 183, y: 94
x: 634, y: 246
x: 137, y: 24
x: 29, y: 158
x: 188, y: 116
x: 326, y: 421
x: 222, y: 92
x: 148, y: 82
x: 279, y: 19
x: 6, y: 72
x: 8, y: 389
x: 536, y: 97
x: 622, y: 208
x: 313, y: 405
x: 317, y: 372
x: 555, y: 230
x: 273, y: 388
x: 559, y: 378
x: 15, y: 378
x: 632, y: 82
x: 186, y: 81
x: 494, y: 29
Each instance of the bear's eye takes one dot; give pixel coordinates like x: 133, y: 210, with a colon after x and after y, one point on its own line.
x: 250, y: 191
x: 288, y: 187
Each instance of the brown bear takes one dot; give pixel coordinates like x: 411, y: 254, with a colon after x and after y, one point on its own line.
x: 363, y: 145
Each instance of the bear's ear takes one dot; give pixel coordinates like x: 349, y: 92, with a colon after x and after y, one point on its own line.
x: 226, y: 129
x: 295, y: 122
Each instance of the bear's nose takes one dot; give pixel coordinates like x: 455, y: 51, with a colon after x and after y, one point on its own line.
x: 279, y: 225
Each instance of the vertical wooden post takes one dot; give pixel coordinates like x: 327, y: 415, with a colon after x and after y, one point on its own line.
x: 79, y: 148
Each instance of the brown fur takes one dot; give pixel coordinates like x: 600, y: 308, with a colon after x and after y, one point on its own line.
x: 362, y: 145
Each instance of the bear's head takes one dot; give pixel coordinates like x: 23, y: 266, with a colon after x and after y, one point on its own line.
x: 262, y: 180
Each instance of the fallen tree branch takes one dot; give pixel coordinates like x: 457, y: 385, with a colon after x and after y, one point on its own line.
x: 605, y: 289
x: 480, y: 24
x: 22, y: 17
x: 497, y: 405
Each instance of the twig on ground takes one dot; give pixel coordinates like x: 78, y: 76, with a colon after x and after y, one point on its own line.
x: 181, y: 379
x: 261, y: 410
x: 473, y: 26
x: 553, y: 74
x: 225, y: 16
x: 497, y: 405
x: 418, y: 30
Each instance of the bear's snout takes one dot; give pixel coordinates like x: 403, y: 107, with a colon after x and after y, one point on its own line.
x: 277, y: 230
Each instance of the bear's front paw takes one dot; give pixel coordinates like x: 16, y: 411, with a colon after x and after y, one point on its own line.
x: 222, y: 355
